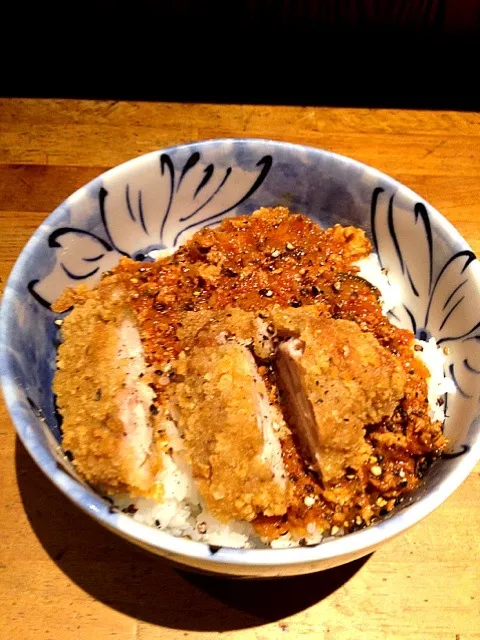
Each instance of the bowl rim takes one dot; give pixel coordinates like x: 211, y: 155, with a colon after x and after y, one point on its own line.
x: 359, y: 542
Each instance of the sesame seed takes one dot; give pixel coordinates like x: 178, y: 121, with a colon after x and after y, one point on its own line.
x: 334, y: 530
x: 337, y: 286
x: 289, y: 246
x: 376, y: 470
x: 401, y: 473
x: 309, y: 501
x: 134, y: 280
x: 197, y: 293
x: 447, y: 351
x: 358, y: 520
x: 202, y: 527
x: 59, y: 323
x: 418, y: 347
x: 373, y: 459
x: 275, y: 253
x: 381, y: 502
x: 268, y: 293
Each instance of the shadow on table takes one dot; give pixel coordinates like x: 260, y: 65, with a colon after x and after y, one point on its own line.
x: 148, y: 588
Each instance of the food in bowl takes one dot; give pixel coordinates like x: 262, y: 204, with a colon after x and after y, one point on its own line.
x: 250, y: 389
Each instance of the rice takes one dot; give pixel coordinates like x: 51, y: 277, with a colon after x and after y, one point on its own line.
x: 434, y: 359
x: 371, y: 270
x: 182, y: 512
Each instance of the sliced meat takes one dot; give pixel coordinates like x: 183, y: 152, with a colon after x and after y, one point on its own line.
x: 104, y: 397
x: 231, y: 432
x: 336, y: 380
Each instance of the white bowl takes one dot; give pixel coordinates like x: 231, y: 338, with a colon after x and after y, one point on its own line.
x: 156, y: 201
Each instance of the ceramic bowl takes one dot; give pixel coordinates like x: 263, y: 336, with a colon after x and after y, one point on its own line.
x: 156, y: 201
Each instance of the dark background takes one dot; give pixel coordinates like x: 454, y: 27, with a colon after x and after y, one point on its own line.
x: 397, y: 53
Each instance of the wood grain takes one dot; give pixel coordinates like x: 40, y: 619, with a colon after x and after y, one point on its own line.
x: 61, y: 575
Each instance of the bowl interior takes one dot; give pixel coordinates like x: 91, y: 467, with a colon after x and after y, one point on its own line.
x: 158, y: 200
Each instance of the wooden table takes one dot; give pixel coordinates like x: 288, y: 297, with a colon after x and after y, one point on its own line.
x: 62, y: 576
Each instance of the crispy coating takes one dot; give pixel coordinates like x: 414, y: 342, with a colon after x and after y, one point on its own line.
x: 103, y: 393
x: 228, y: 426
x: 338, y: 379
x: 249, y: 329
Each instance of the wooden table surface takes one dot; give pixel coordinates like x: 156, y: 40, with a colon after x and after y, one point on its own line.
x: 63, y: 577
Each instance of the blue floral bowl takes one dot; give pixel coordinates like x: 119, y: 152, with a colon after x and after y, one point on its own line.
x: 156, y: 201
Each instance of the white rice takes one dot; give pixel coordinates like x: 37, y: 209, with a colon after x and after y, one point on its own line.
x: 182, y: 513
x: 434, y: 359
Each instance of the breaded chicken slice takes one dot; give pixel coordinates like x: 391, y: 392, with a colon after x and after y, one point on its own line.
x: 103, y: 393
x: 254, y: 330
x: 230, y: 430
x: 336, y: 380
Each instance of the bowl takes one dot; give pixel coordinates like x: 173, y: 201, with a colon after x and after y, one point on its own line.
x: 155, y: 201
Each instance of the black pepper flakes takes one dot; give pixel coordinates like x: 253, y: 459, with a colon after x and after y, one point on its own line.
x: 130, y: 509
x: 421, y: 468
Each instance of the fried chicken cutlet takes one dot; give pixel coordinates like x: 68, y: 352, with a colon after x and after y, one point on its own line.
x: 103, y: 393
x: 337, y: 379
x: 231, y: 428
